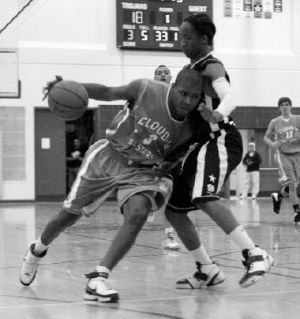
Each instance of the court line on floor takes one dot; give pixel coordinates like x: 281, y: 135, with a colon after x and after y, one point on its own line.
x: 149, y: 299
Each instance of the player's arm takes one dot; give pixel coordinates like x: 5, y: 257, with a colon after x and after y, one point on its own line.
x: 108, y: 93
x: 268, y: 136
x: 103, y: 92
x: 222, y: 87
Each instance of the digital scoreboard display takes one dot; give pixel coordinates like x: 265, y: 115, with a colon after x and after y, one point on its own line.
x: 154, y: 24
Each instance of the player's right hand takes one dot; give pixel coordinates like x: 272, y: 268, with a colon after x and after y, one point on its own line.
x: 50, y: 85
x: 278, y: 143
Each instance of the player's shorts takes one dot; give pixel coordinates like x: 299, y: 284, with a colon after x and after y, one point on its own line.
x: 288, y: 167
x: 104, y: 172
x: 205, y: 170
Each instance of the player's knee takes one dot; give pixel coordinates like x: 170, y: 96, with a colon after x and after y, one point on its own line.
x: 66, y: 219
x: 136, y: 210
x: 136, y: 217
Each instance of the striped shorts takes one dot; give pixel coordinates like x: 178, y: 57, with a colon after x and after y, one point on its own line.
x: 205, y: 170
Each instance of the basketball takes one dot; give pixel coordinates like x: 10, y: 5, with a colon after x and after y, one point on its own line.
x: 68, y: 100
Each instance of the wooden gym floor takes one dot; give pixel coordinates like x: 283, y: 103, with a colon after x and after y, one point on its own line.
x: 146, y: 277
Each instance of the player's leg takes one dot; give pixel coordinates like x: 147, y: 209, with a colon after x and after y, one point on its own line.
x: 207, y: 272
x: 246, y: 186
x: 38, y: 249
x: 135, y: 212
x: 255, y: 184
x: 283, y: 180
x: 171, y: 240
x: 221, y: 156
x: 78, y: 197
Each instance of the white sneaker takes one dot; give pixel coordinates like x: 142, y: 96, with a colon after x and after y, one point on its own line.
x: 205, y: 276
x: 171, y: 242
x: 257, y: 263
x: 29, y: 266
x: 98, y: 288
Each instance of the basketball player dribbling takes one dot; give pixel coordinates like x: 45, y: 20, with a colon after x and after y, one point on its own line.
x: 130, y: 161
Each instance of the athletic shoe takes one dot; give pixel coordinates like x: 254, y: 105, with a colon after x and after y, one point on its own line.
x: 276, y: 199
x: 98, y: 288
x: 171, y: 242
x: 205, y: 276
x: 257, y: 263
x: 30, y: 265
x: 297, y: 217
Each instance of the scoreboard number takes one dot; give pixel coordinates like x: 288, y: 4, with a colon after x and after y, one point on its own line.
x: 154, y: 24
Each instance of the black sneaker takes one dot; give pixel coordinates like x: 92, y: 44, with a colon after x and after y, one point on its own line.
x: 276, y: 199
x: 297, y: 217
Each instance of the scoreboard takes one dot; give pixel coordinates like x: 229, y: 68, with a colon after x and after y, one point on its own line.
x: 154, y: 24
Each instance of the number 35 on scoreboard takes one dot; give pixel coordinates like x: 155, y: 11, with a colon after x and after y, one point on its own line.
x: 154, y: 24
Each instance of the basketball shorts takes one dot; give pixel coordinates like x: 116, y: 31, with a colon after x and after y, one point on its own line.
x: 288, y: 167
x: 105, y: 172
x: 203, y: 172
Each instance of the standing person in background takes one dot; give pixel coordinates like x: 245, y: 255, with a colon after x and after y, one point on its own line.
x: 162, y: 73
x: 252, y: 161
x: 207, y: 166
x: 283, y: 136
x: 75, y: 155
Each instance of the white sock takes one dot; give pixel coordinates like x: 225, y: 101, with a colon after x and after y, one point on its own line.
x: 241, y: 238
x: 103, y: 269
x: 200, y: 254
x: 39, y: 247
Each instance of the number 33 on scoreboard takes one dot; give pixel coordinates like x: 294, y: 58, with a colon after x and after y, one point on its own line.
x: 161, y: 35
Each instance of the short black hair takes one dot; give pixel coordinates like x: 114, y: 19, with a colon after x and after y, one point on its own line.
x: 283, y: 100
x: 203, y: 25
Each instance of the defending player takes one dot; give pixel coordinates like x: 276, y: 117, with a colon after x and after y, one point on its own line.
x: 283, y: 135
x: 207, y: 167
x: 129, y: 161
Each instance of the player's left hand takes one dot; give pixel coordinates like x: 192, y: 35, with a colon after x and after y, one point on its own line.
x: 50, y: 85
x: 209, y: 114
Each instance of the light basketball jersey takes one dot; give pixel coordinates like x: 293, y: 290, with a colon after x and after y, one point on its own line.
x: 285, y: 130
x: 147, y: 133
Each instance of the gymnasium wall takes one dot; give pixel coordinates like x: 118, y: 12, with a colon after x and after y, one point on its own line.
x: 77, y: 39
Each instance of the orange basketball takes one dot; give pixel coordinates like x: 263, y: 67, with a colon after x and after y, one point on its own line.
x: 68, y: 100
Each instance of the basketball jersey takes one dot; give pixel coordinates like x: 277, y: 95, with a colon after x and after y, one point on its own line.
x: 209, y: 95
x: 146, y: 133
x: 285, y: 130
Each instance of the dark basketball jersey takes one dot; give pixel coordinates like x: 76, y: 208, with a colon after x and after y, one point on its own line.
x: 147, y: 133
x: 209, y: 95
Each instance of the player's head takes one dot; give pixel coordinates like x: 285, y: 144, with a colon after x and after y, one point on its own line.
x: 196, y: 34
x: 251, y: 146
x: 284, y: 100
x: 162, y: 73
x: 186, y: 92
x: 285, y: 105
